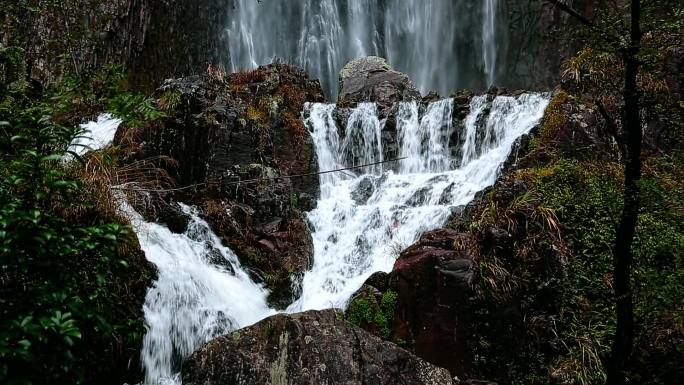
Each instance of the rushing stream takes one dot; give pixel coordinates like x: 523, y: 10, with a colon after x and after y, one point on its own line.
x: 202, y: 292
x: 361, y: 222
x: 419, y: 37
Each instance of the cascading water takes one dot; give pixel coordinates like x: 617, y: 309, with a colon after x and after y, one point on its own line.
x: 202, y: 292
x: 489, y: 39
x: 95, y: 135
x: 362, y: 145
x: 418, y: 37
x: 362, y: 221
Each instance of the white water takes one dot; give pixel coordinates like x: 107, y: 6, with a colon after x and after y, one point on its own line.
x: 418, y: 37
x: 95, y: 135
x: 202, y: 291
x: 356, y: 235
x: 489, y: 39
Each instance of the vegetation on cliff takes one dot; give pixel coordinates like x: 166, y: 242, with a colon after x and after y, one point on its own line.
x: 73, y: 277
x: 527, y: 288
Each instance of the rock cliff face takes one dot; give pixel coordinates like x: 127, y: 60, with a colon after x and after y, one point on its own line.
x: 307, y: 348
x: 154, y: 40
x: 534, y: 48
x: 229, y: 139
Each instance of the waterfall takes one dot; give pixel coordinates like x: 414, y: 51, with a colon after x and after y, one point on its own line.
x: 418, y: 37
x: 94, y: 135
x: 201, y: 293
x: 364, y: 220
x: 489, y: 41
x: 362, y: 144
x: 361, y: 223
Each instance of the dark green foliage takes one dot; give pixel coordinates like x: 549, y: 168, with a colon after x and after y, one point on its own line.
x: 79, y: 97
x: 369, y: 313
x: 586, y: 198
x: 566, y: 309
x: 69, y: 301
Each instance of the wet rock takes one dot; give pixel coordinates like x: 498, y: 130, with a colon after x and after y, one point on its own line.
x: 569, y: 128
x: 307, y: 348
x: 363, y: 191
x: 277, y: 251
x: 215, y: 123
x: 372, y: 79
x: 431, y: 283
x: 306, y: 202
x: 173, y: 217
x: 378, y: 280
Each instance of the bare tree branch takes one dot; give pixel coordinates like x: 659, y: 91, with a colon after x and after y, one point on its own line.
x: 610, y: 38
x: 572, y: 12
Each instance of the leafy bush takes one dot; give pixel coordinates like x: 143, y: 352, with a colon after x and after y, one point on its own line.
x: 367, y: 312
x: 586, y: 197
x: 67, y: 295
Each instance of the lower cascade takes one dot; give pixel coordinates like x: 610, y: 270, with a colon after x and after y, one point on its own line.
x: 202, y: 292
x: 363, y: 219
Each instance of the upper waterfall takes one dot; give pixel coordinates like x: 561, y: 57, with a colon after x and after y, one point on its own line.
x: 419, y: 37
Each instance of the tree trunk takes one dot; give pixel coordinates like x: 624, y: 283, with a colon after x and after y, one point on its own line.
x: 622, y: 251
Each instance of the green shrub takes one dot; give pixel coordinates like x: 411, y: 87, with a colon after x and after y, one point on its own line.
x: 64, y: 272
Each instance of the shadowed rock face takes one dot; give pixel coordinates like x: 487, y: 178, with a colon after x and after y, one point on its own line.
x: 307, y: 348
x: 223, y: 130
x: 154, y: 40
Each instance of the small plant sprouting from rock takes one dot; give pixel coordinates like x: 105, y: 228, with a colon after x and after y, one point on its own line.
x: 372, y: 315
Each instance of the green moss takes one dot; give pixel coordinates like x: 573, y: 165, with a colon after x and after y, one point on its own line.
x: 554, y: 119
x: 169, y: 101
x: 367, y: 312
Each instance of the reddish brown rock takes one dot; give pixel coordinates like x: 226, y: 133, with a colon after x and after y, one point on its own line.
x: 430, y: 284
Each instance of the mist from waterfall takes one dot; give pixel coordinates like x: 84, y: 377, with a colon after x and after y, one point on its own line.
x: 443, y: 45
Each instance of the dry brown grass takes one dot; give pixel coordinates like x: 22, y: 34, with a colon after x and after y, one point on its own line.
x: 144, y: 182
x: 247, y: 77
x: 216, y: 71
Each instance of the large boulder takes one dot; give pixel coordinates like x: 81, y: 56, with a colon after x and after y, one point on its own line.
x: 307, y: 348
x: 372, y: 79
x: 217, y: 121
x: 421, y: 304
